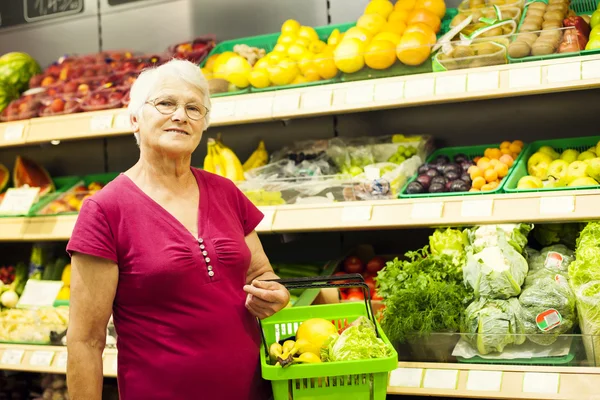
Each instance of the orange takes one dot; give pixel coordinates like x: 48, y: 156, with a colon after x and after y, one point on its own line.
x: 493, y: 162
x: 357, y: 33
x: 501, y: 169
x: 494, y: 184
x: 407, y: 5
x: 495, y: 153
x: 474, y: 190
x: 514, y: 155
x: 427, y: 17
x: 210, y: 62
x: 413, y: 49
x: 372, y: 23
x: 381, y: 7
x: 325, y: 66
x: 504, y: 144
x: 394, y: 27
x: 474, y: 172
x: 399, y: 16
x: 312, y: 75
x: 478, y: 182
x: 389, y: 36
x: 349, y: 55
x: 437, y: 7
x: 424, y: 29
x: 505, y: 150
x: 476, y: 159
x: 380, y: 54
x: 490, y: 175
x: 515, y: 148
x: 518, y: 143
x: 483, y: 163
x: 507, y: 159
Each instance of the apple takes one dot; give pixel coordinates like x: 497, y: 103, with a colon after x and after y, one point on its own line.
x: 538, y: 164
x: 576, y: 170
x: 593, y: 168
x: 595, y: 32
x: 530, y: 182
x: 584, y: 181
x: 57, y: 105
x: 586, y: 155
x: 592, y: 150
x: 595, y: 20
x: 554, y: 183
x: 597, y: 148
x: 558, y: 169
x: 550, y: 151
x: 569, y: 155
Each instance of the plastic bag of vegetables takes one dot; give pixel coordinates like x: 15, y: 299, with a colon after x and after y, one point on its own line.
x: 588, y: 305
x: 549, y: 261
x: 484, y: 236
x: 490, y: 325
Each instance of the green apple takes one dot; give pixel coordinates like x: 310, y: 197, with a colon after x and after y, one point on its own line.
x: 550, y: 151
x: 586, y: 155
x: 558, y: 169
x: 554, y: 183
x: 595, y: 32
x: 576, y: 170
x: 594, y: 43
x: 597, y: 148
x: 584, y: 181
x: 530, y: 182
x: 569, y: 155
x: 593, y: 168
x: 592, y: 150
x: 538, y: 164
x: 595, y: 20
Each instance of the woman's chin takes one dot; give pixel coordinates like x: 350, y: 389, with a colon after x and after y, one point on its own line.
x: 178, y: 145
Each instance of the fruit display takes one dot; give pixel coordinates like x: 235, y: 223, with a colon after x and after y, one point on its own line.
x: 479, y: 53
x: 221, y: 160
x: 464, y: 173
x: 369, y: 269
x: 258, y: 158
x: 71, y: 200
x: 195, y: 50
x: 16, y: 69
x: 594, y: 36
x: 8, y: 93
x: 27, y: 172
x: 470, y: 6
x: 32, y: 326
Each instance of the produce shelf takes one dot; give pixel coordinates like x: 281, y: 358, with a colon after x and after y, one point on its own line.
x: 579, y: 205
x: 494, y: 381
x: 510, y: 80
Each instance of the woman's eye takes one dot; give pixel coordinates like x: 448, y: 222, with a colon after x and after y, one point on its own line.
x: 166, y: 103
x: 193, y: 108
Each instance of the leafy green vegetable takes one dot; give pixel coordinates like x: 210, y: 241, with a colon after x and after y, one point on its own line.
x: 357, y: 342
x: 549, y: 261
x: 588, y: 306
x: 450, y: 242
x: 490, y: 325
x: 484, y: 236
x: 547, y: 234
x: 586, y: 267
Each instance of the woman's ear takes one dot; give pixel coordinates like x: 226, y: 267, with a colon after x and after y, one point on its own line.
x: 134, y: 123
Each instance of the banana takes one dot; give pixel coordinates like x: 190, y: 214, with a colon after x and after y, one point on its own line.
x: 218, y: 166
x: 258, y: 158
x: 232, y: 164
x: 209, y: 165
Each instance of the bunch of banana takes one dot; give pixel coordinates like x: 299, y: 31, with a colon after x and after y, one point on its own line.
x: 284, y: 355
x: 221, y: 160
x: 258, y: 158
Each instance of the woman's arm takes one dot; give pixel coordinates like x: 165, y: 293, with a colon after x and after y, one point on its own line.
x: 264, y: 298
x: 93, y: 287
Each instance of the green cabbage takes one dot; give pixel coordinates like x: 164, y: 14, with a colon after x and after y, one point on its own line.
x: 586, y: 266
x: 490, y: 325
x: 358, y: 342
x: 484, y: 236
x: 450, y: 242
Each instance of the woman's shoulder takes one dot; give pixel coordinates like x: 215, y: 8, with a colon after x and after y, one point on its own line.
x: 111, y: 195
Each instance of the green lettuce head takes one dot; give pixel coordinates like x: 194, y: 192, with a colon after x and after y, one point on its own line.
x: 450, y: 242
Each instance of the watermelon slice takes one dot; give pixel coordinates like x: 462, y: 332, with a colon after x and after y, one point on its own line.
x: 4, y: 175
x: 28, y: 172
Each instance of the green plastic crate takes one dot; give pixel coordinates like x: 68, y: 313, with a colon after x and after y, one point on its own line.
x: 344, y: 380
x: 471, y: 152
x: 554, y: 361
x: 579, y: 144
x: 580, y: 7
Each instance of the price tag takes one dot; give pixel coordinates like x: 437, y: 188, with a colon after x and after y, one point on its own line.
x: 266, y: 224
x: 488, y: 381
x: 540, y: 382
x: 389, y: 91
x: 286, y: 103
x: 13, y: 132
x: 483, y: 81
x: 225, y: 109
x: 372, y: 173
x: 122, y: 121
x: 101, y: 122
x: 18, y: 201
x: 316, y: 99
x: 452, y: 84
x: 12, y: 356
x: 564, y: 72
x: 39, y: 293
x: 590, y: 69
x: 440, y: 379
x: 557, y: 205
x: 427, y: 210
x: 356, y: 213
x: 477, y: 208
x: 41, y: 358
x: 524, y: 77
x: 419, y: 88
x: 61, y: 360
x: 360, y: 94
x: 406, y: 377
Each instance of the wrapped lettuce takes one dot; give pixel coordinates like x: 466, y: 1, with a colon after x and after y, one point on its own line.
x: 588, y: 305
x: 450, y: 242
x: 550, y: 261
x: 497, y: 272
x: 490, y: 325
x: 586, y: 267
x: 487, y: 235
x: 358, y: 342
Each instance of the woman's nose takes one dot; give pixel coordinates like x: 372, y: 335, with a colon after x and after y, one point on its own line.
x: 179, y: 114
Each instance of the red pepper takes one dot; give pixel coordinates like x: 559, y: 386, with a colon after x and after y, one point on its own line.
x: 582, y: 27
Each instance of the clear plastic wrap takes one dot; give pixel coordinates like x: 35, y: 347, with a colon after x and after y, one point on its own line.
x: 32, y: 326
x: 550, y: 261
x: 384, y: 180
x: 588, y: 306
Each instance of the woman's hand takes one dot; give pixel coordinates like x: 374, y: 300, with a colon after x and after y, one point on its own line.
x: 265, y: 298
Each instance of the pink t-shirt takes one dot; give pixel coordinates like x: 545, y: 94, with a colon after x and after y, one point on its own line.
x: 183, y: 330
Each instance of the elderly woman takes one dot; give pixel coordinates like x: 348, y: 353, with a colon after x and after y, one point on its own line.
x: 171, y: 252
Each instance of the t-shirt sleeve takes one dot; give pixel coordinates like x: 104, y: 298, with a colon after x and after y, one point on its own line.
x: 249, y: 214
x: 92, y: 234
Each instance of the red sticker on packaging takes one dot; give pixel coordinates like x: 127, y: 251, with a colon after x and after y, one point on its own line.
x: 548, y: 319
x: 553, y: 260
x: 561, y: 280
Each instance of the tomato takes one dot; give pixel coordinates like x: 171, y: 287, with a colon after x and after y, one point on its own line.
x: 355, y: 296
x: 375, y: 265
x: 353, y: 265
x: 340, y: 273
x: 371, y: 284
x: 343, y: 294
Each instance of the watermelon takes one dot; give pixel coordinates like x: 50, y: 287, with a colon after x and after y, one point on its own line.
x: 28, y: 172
x: 4, y: 174
x: 16, y: 69
x: 7, y: 94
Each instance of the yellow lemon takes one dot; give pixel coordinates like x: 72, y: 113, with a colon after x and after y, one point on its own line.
x: 210, y: 62
x: 259, y: 78
x: 394, y: 27
x: 413, y: 49
x: 357, y: 33
x: 237, y: 70
x: 334, y: 38
x: 304, y: 42
x: 399, y: 15
x: 309, y: 33
x: 207, y: 73
x: 389, y: 36
x: 222, y: 58
x: 274, y: 58
x: 407, y: 5
x: 299, y: 80
x: 380, y: 54
x: 263, y: 63
x: 372, y: 23
x: 286, y: 38
x: 312, y: 75
x: 348, y: 55
x: 317, y: 46
x: 296, y: 52
x: 306, y: 63
x: 283, y: 73
x: 281, y: 48
x: 325, y: 66
x: 290, y: 26
x: 381, y: 7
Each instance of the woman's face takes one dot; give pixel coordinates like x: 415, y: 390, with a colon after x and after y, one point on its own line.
x: 176, y: 134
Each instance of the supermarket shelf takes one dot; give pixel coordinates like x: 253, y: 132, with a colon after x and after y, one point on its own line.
x: 576, y: 73
x: 47, y: 359
x: 494, y: 381
x: 576, y: 205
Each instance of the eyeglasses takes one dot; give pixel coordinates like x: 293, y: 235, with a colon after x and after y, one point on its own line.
x: 169, y: 106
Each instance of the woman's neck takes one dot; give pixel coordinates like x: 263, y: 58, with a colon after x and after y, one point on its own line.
x: 154, y: 170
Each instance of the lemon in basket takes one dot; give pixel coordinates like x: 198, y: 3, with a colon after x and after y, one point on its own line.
x: 315, y: 331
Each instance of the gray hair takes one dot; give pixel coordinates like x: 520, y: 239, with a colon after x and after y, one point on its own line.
x: 147, y: 81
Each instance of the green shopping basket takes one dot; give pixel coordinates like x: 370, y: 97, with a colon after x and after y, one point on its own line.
x: 342, y: 380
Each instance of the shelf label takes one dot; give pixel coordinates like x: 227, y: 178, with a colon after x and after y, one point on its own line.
x: 564, y: 72
x: 41, y: 358
x: 419, y: 88
x: 440, y: 379
x: 225, y: 109
x: 477, y: 208
x: 39, y: 293
x: 406, y: 377
x: 286, y: 103
x: 486, y: 381
x: 14, y: 132
x: 557, y: 205
x: 452, y: 84
x: 389, y: 91
x: 541, y: 382
x: 12, y: 356
x: 590, y: 69
x: 266, y: 224
x: 427, y: 210
x: 356, y: 213
x: 122, y: 121
x: 101, y: 122
x: 61, y: 360
x: 18, y: 201
x: 316, y: 99
x: 524, y: 77
x: 360, y: 94
x: 259, y: 106
x: 115, y: 364
x: 483, y: 81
